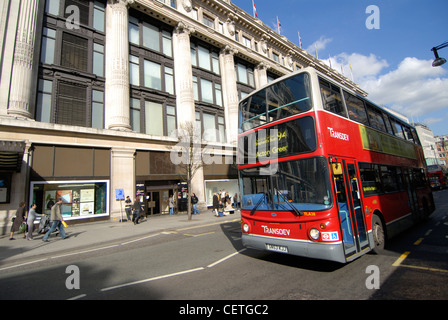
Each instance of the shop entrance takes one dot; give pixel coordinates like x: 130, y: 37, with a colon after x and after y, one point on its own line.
x: 157, y: 198
x: 158, y: 202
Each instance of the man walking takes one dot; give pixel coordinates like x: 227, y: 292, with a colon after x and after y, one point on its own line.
x: 56, y: 218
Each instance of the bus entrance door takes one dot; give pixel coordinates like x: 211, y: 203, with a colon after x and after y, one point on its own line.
x: 351, y: 212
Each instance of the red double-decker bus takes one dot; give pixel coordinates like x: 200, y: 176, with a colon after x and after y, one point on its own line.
x: 324, y: 173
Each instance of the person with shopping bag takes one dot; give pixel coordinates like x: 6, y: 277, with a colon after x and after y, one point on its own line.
x: 56, y: 221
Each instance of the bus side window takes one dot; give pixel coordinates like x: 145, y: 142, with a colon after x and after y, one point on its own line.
x: 331, y: 98
x: 375, y: 118
x: 356, y: 110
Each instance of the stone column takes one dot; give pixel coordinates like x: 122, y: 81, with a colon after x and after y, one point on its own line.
x: 261, y: 75
x: 183, y: 74
x: 230, y: 92
x: 24, y: 70
x: 122, y: 176
x: 117, y: 101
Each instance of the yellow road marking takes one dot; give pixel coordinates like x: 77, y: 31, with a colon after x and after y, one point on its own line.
x: 416, y: 243
x: 424, y: 268
x: 401, y: 259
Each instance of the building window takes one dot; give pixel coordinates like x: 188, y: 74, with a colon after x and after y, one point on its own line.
x: 245, y: 74
x: 99, y: 13
x: 48, y: 46
x: 71, y: 104
x: 160, y: 119
x: 79, y: 56
x: 80, y: 199
x: 152, y: 37
x: 52, y: 7
x: 43, y: 106
x: 205, y: 58
x: 134, y: 70
x: 98, y: 59
x: 247, y: 42
x: 135, y: 114
x: 74, y: 52
x: 207, y: 91
x: 97, y: 109
x: 212, y: 126
x: 208, y: 21
x: 152, y: 75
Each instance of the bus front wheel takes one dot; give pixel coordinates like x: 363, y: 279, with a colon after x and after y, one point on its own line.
x: 379, y: 238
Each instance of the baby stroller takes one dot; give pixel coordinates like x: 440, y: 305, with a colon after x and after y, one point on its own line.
x: 44, y: 224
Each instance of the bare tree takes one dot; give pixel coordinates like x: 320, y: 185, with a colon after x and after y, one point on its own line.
x: 187, y: 156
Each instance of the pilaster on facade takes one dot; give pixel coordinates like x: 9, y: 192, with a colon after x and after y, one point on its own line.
x: 117, y: 112
x: 183, y: 70
x: 24, y: 69
x: 230, y: 92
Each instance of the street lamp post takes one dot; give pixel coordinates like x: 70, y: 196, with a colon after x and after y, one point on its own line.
x: 439, y: 61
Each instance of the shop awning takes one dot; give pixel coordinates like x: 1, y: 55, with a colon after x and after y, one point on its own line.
x: 11, y: 155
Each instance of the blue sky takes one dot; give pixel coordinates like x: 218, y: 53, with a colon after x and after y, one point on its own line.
x: 392, y: 63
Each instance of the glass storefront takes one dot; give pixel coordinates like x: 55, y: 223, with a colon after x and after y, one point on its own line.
x: 80, y: 199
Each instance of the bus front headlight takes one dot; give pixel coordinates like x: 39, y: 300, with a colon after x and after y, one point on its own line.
x: 246, y: 228
x: 314, y: 234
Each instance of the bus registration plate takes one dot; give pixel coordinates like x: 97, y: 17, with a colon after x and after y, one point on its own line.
x: 276, y: 248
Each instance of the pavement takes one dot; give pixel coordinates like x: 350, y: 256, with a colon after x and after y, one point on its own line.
x: 99, y: 234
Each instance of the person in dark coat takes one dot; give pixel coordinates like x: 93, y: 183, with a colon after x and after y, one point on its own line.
x: 215, y: 204
x: 20, y: 218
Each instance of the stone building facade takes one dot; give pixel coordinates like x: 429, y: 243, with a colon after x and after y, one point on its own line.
x: 91, y: 93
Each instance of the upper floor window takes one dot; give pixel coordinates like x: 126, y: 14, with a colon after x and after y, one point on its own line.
x: 205, y: 58
x: 150, y: 36
x: 245, y: 74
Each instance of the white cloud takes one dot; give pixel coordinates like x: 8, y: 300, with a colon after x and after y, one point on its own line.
x: 415, y: 88
x: 319, y: 45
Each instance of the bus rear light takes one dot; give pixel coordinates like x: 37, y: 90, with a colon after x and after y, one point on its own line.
x: 314, y: 234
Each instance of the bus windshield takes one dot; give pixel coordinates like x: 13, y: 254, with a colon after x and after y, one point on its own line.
x: 280, y: 100
x: 299, y: 185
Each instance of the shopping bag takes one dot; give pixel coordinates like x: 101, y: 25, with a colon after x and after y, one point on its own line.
x: 64, y: 224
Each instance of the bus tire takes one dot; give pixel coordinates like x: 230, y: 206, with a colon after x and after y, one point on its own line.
x: 379, y: 236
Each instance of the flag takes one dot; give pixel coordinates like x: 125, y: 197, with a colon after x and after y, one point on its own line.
x: 329, y: 59
x: 254, y: 9
x: 351, y: 71
x: 300, y: 40
x: 315, y: 48
x: 279, y: 26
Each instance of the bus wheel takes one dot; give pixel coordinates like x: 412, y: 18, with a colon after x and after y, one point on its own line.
x: 378, y: 234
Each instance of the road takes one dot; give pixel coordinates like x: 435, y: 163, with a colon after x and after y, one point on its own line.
x: 209, y: 263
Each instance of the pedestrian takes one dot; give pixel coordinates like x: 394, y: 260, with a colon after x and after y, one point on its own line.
x: 220, y: 209
x: 215, y: 203
x: 235, y: 201
x: 194, y: 201
x: 18, y: 220
x: 136, y: 208
x: 32, y: 214
x: 56, y: 221
x: 171, y: 205
x: 128, y: 207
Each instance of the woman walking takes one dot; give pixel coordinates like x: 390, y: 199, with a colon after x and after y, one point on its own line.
x: 32, y: 214
x: 20, y: 218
